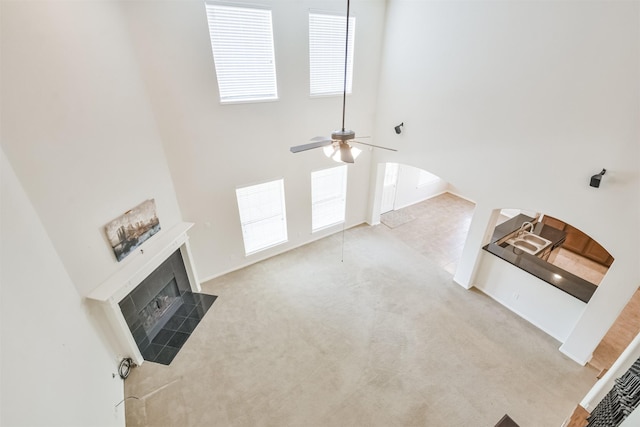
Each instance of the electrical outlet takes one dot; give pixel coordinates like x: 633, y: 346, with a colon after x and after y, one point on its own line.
x: 516, y: 296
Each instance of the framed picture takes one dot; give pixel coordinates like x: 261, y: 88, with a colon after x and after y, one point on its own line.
x: 132, y: 228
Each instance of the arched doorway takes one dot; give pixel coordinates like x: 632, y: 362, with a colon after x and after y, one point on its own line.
x: 425, y: 212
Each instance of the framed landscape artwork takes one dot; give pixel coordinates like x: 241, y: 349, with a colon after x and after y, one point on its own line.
x: 132, y: 228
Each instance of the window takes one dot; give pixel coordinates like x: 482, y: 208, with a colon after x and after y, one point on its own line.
x: 326, y: 53
x: 328, y: 197
x: 262, y: 215
x: 242, y: 43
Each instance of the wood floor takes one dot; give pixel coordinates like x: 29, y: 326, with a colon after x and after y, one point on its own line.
x: 578, y: 418
x: 620, y: 335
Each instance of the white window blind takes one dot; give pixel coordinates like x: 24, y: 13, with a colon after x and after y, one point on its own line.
x: 242, y: 43
x: 262, y: 215
x: 328, y: 197
x: 326, y: 53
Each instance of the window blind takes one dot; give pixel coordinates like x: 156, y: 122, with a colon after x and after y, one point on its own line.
x: 262, y: 215
x: 328, y: 197
x: 326, y: 53
x: 242, y: 44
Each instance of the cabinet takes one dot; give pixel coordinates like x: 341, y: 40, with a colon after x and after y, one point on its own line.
x: 580, y: 243
x: 576, y: 240
x: 597, y: 253
x: 555, y: 223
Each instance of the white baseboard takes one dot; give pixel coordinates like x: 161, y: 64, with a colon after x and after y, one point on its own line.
x: 420, y: 200
x: 460, y: 195
x: 272, y: 254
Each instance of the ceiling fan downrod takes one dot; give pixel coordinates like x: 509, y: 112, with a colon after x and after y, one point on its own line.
x: 346, y: 53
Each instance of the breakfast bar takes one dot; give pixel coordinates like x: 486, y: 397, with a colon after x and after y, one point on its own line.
x: 537, y: 265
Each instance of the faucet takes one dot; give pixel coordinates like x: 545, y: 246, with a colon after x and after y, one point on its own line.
x: 524, y: 226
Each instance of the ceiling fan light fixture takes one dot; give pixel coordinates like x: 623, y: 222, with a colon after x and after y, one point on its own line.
x: 333, y: 152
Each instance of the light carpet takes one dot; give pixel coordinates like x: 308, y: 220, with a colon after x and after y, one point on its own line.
x: 385, y: 338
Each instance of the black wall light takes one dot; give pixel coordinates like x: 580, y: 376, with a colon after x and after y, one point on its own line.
x: 595, y: 179
x: 399, y: 128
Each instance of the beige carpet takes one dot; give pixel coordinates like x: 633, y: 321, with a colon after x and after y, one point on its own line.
x: 383, y: 339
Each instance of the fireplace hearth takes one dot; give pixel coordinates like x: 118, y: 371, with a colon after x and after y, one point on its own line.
x: 162, y: 311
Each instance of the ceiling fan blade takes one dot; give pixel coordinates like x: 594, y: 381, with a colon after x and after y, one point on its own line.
x: 345, y: 153
x: 319, y: 138
x: 317, y: 144
x: 376, y: 146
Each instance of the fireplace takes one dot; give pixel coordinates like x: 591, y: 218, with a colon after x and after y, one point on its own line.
x: 161, y: 308
x: 152, y: 303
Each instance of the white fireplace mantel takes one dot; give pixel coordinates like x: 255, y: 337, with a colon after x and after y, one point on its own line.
x: 144, y: 260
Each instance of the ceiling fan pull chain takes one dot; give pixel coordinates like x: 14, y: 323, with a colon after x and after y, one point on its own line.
x: 343, y: 226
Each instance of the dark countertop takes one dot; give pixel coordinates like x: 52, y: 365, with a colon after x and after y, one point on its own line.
x: 556, y: 276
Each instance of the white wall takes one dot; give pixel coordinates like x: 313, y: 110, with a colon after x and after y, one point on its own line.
x: 55, y: 370
x: 78, y: 129
x: 407, y: 190
x: 546, y: 306
x: 213, y: 148
x: 79, y: 133
x: 518, y: 104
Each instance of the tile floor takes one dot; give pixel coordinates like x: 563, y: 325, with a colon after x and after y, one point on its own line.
x: 170, y: 339
x: 619, y: 336
x: 439, y: 228
x: 580, y: 266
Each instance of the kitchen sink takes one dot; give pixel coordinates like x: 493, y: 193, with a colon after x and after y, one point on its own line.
x: 536, y: 240
x: 525, y: 245
x: 529, y: 243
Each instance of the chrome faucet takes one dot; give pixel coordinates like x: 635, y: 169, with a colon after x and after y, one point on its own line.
x: 524, y: 226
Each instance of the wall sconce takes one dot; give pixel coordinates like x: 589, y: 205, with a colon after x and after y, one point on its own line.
x: 595, y: 179
x: 399, y: 128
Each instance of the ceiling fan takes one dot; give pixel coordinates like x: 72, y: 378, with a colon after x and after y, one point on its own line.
x: 342, y: 150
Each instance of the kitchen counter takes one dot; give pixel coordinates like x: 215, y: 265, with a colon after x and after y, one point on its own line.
x: 561, y: 279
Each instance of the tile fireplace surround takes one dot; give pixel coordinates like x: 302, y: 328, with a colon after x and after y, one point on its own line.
x: 116, y: 294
